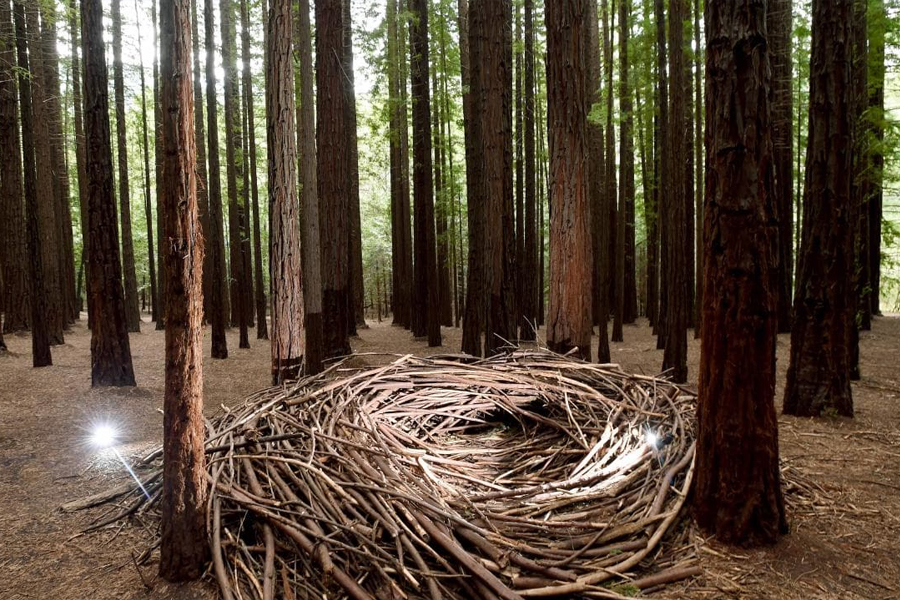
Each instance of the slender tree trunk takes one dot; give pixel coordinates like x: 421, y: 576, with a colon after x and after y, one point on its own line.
x: 442, y: 239
x: 40, y: 335
x: 679, y: 248
x: 132, y: 308
x: 235, y: 175
x: 184, y: 549
x: 520, y: 167
x: 55, y: 312
x: 309, y: 201
x: 60, y: 182
x: 357, y: 291
x: 14, y: 300
x: 700, y: 160
x: 218, y: 317
x: 542, y: 190
x: 626, y: 163
x: 818, y: 377
x: 859, y: 187
x: 687, y: 168
x: 474, y: 320
x: 663, y: 183
x: 609, y: 186
x: 425, y: 274
x: 738, y: 488
x: 529, y: 301
x: 158, y: 157
x: 285, y: 251
x: 779, y: 26
x: 399, y: 269
x: 876, y: 76
x: 452, y: 195
x: 569, y: 326
x: 75, y: 43
x: 262, y: 332
x: 148, y: 212
x: 110, y: 350
x: 202, y: 173
x: 333, y: 177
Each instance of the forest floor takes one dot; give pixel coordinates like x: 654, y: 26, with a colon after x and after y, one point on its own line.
x: 845, y: 545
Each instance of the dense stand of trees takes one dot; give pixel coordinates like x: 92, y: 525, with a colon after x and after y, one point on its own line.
x: 609, y: 159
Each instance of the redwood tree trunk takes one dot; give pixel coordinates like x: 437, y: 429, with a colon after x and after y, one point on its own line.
x: 13, y: 250
x: 779, y: 26
x: 333, y: 178
x: 529, y: 299
x: 819, y: 373
x: 184, y: 547
x: 569, y: 321
x: 218, y: 317
x: 659, y: 237
x: 309, y: 201
x: 426, y: 294
x: 132, y: 306
x: 877, y: 29
x: 738, y: 489
x: 202, y: 174
x: 40, y: 335
x: 357, y: 290
x: 148, y: 213
x: 110, y: 349
x: 285, y: 251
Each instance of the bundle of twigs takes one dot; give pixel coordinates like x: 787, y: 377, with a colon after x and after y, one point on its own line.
x: 523, y: 475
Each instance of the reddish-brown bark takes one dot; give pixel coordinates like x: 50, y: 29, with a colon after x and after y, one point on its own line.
x: 110, y: 350
x: 569, y: 319
x: 737, y: 492
x: 184, y: 547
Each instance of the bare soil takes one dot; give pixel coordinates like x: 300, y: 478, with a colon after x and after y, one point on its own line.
x: 844, y: 541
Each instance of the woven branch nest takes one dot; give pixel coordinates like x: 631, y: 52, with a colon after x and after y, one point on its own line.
x: 523, y: 475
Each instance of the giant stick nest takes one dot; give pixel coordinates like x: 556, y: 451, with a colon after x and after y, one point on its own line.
x: 520, y: 476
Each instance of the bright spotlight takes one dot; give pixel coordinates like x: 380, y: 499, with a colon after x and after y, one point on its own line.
x: 651, y: 439
x: 104, y: 436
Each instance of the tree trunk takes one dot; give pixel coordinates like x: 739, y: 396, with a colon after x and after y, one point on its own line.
x: 859, y: 185
x: 569, y: 325
x: 520, y: 170
x: 14, y: 300
x: 158, y: 158
x: 426, y: 293
x: 132, y: 308
x: 40, y: 335
x: 184, y: 548
x: 659, y: 227
x: 779, y: 26
x: 818, y: 377
x: 333, y: 177
x: 876, y: 76
x: 626, y: 166
x: 47, y: 213
x: 75, y: 43
x: 262, y: 332
x: 738, y: 489
x: 613, y: 252
x: 285, y: 252
x: 154, y: 294
x: 474, y: 320
x: 442, y: 239
x: 357, y: 291
x: 679, y: 246
x: 202, y: 173
x: 529, y: 300
x: 700, y: 160
x: 309, y: 201
x: 110, y: 349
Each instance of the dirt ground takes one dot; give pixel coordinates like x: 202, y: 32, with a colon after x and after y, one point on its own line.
x: 844, y: 541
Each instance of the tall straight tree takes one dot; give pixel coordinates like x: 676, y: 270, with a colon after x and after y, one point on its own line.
x: 658, y: 228
x: 569, y: 321
x: 529, y: 300
x: 202, y: 174
x: 357, y: 291
x: 859, y: 185
x: 425, y: 296
x: 333, y: 178
x: 877, y: 28
x: 218, y: 317
x: 779, y: 26
x: 110, y: 349
x: 183, y: 548
x: 51, y: 248
x: 148, y: 212
x: 235, y: 176
x: 678, y: 245
x: 626, y: 168
x: 13, y: 246
x: 40, y: 334
x: 158, y: 156
x: 262, y: 332
x: 609, y: 170
x: 75, y: 43
x: 819, y: 373
x: 60, y: 175
x: 738, y: 489
x: 401, y: 253
x: 285, y: 252
x: 518, y: 45
x: 309, y: 201
x: 132, y: 307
